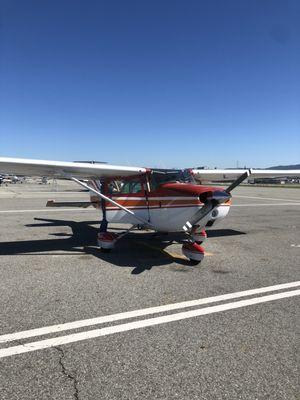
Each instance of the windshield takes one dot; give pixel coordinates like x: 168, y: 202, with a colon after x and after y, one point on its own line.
x: 160, y: 176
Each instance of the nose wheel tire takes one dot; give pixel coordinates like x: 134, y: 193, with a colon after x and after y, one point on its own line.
x: 193, y: 251
x: 194, y: 262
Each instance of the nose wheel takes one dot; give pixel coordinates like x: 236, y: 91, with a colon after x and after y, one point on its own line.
x: 193, y: 251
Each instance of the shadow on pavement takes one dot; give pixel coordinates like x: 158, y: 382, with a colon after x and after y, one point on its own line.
x: 141, y: 250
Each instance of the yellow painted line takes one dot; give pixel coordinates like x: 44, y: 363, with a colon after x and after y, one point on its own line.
x: 167, y: 253
x: 152, y: 247
x: 174, y: 255
x: 207, y: 254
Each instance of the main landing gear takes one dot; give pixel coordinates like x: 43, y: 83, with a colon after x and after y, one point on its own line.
x: 192, y: 249
x: 106, y: 241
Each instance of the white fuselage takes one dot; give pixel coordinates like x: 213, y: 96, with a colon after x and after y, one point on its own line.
x: 169, y: 217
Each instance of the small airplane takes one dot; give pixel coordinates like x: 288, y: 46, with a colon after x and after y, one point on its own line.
x: 11, y: 179
x: 163, y: 200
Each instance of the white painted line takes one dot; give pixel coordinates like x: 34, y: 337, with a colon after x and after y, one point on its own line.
x: 54, y: 192
x: 77, y: 337
x: 267, y: 205
x: 265, y: 198
x: 31, y: 195
x: 141, y: 312
x: 46, y: 210
x: 50, y: 193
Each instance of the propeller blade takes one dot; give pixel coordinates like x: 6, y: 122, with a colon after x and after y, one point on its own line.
x: 198, y: 216
x: 238, y: 181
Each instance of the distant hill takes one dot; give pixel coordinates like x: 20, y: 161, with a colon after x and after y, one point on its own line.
x: 295, y: 166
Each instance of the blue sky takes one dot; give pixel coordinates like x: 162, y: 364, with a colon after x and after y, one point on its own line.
x: 151, y: 83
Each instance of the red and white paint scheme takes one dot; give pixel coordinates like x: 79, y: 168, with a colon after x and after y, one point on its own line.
x: 165, y: 200
x: 167, y: 206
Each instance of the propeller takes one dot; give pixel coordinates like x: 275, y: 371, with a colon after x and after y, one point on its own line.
x: 238, y: 181
x: 213, y: 199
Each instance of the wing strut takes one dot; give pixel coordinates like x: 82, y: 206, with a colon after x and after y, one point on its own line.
x: 141, y: 220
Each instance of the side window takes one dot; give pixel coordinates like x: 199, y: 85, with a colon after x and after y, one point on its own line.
x: 114, y: 187
x: 136, y: 187
x: 131, y: 187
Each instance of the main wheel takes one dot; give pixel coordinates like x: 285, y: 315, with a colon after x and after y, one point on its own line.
x: 106, y: 241
x: 105, y: 250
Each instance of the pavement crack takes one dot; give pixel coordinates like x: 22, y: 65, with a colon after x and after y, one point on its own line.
x: 67, y: 374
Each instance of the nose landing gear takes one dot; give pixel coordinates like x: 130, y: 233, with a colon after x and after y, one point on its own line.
x: 198, y: 234
x: 192, y: 249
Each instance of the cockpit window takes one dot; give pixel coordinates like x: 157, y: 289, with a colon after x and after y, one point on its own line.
x: 125, y: 187
x: 161, y: 176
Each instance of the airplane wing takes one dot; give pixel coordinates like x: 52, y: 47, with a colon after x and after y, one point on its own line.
x: 231, y: 174
x: 27, y: 167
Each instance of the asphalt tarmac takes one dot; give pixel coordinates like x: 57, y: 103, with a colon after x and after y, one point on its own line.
x: 244, y: 345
